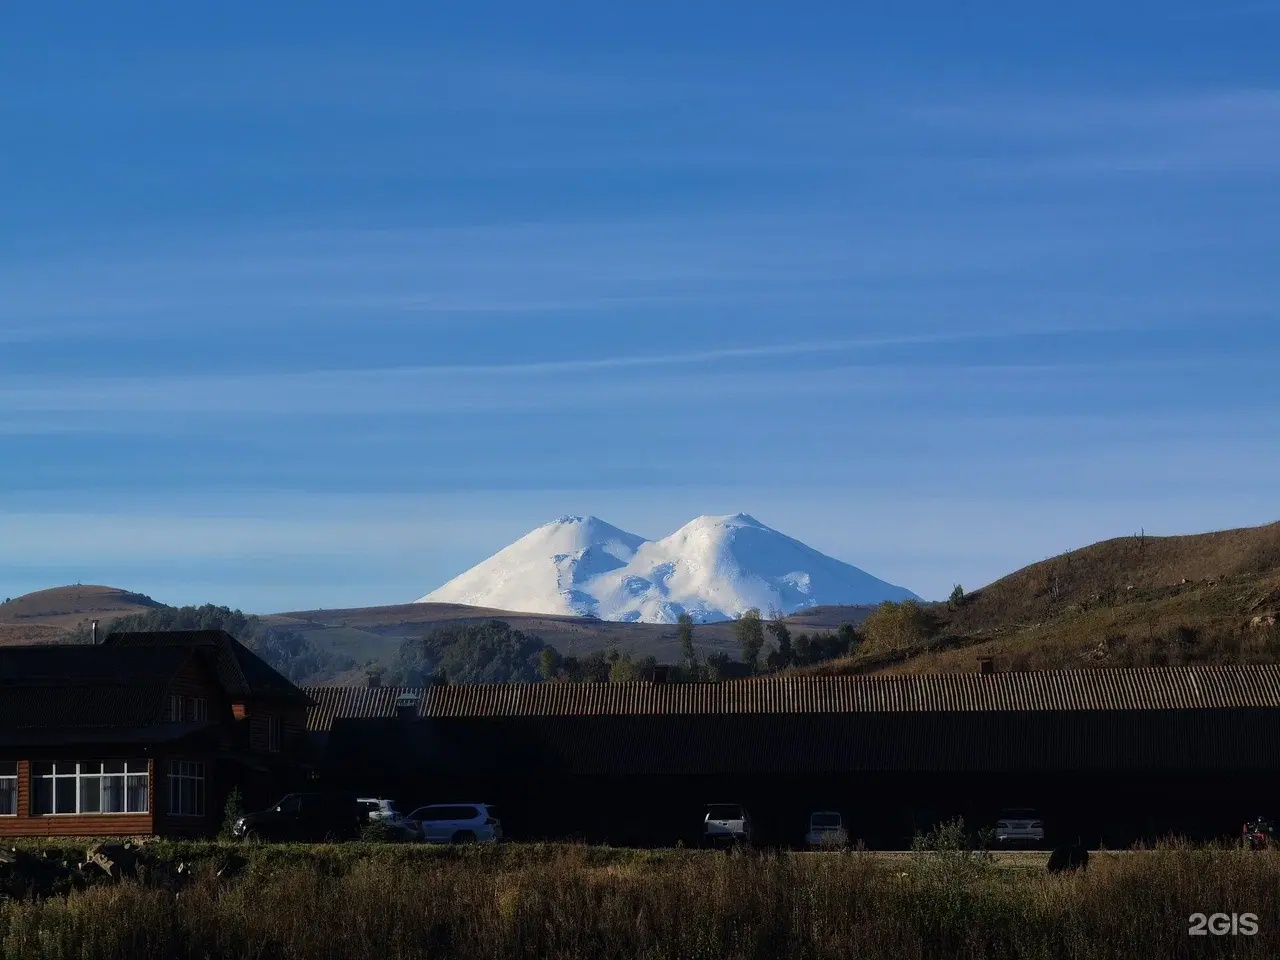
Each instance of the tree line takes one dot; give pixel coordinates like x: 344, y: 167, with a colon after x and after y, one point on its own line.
x: 288, y: 652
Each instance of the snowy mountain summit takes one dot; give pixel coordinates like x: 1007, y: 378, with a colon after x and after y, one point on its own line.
x: 713, y: 568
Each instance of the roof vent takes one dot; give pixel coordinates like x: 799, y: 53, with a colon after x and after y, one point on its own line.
x: 986, y: 665
x: 407, y: 700
x: 93, y: 633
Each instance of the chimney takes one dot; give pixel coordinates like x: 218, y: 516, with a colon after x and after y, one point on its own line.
x: 986, y: 665
x: 660, y: 673
x: 407, y: 707
x: 374, y: 678
x: 93, y: 632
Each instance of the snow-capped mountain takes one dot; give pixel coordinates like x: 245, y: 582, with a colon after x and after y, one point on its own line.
x: 713, y: 568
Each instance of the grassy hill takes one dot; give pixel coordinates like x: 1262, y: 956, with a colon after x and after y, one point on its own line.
x: 47, y: 615
x: 1130, y: 601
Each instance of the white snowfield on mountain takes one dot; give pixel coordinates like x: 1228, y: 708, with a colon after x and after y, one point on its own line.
x: 713, y: 568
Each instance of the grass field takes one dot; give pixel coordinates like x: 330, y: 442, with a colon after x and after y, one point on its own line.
x: 371, y: 901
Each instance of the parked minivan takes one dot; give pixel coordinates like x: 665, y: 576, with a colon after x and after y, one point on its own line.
x: 304, y: 817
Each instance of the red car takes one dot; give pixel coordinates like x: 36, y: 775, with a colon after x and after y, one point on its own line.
x: 1259, y: 834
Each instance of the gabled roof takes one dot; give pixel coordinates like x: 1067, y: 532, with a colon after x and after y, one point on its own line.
x: 1090, y: 690
x: 78, y: 686
x: 241, y: 672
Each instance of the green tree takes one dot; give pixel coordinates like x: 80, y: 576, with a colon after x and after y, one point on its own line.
x: 547, y: 663
x: 847, y: 640
x: 717, y: 665
x: 893, y: 627
x: 622, y: 669
x: 684, y: 633
x: 782, y: 636
x: 749, y: 630
x: 803, y: 648
x: 957, y: 596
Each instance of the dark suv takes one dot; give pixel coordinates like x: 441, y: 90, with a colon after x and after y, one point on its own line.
x: 306, y: 817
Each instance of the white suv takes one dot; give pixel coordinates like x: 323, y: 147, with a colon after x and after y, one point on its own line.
x: 457, y: 823
x: 1019, y: 826
x: 385, y: 811
x: 726, y: 823
x: 826, y: 830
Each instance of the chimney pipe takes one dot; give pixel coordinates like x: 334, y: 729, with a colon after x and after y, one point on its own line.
x: 986, y: 665
x: 93, y: 633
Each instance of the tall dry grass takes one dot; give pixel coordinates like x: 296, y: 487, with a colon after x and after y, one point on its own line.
x: 362, y: 901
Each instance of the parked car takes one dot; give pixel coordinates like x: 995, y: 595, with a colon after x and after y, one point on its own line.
x: 457, y: 823
x: 1019, y: 827
x: 726, y: 823
x: 826, y: 829
x: 304, y: 817
x: 380, y: 810
x: 1259, y: 834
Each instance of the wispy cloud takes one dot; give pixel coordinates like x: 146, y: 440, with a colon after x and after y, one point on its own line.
x: 444, y: 388
x: 1223, y: 131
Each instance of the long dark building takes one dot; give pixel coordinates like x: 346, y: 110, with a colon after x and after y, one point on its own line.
x: 1108, y: 755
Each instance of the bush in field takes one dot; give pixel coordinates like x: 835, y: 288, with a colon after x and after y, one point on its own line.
x: 232, y: 811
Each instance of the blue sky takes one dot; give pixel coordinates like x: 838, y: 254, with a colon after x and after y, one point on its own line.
x: 318, y: 305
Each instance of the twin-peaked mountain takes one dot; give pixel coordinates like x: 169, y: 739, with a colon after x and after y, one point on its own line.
x: 712, y: 568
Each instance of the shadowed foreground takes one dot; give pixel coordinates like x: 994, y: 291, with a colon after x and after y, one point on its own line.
x: 371, y: 901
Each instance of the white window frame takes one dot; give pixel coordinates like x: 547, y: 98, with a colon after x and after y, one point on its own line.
x: 199, y: 709
x: 274, y: 733
x: 9, y: 790
x: 177, y: 707
x: 189, y: 774
x: 132, y: 777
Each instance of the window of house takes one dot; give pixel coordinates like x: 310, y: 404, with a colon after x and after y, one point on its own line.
x: 186, y: 788
x: 8, y: 788
x: 199, y: 709
x: 273, y: 733
x: 177, y: 707
x: 111, y: 786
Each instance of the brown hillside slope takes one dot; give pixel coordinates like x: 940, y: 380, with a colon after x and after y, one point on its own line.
x: 1131, y: 601
x: 45, y: 615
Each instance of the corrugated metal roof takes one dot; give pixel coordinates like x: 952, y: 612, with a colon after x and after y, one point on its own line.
x: 1149, y: 688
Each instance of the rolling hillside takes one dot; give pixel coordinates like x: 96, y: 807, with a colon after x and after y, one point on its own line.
x: 46, y: 615
x: 1130, y: 601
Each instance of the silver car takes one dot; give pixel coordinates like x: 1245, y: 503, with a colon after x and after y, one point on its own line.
x: 1019, y: 827
x: 381, y: 810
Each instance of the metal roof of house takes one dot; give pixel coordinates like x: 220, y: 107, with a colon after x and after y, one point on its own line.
x: 1149, y: 688
x: 72, y: 685
x: 241, y: 671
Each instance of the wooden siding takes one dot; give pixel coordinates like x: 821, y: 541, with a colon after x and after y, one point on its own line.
x: 82, y: 825
x: 293, y: 728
